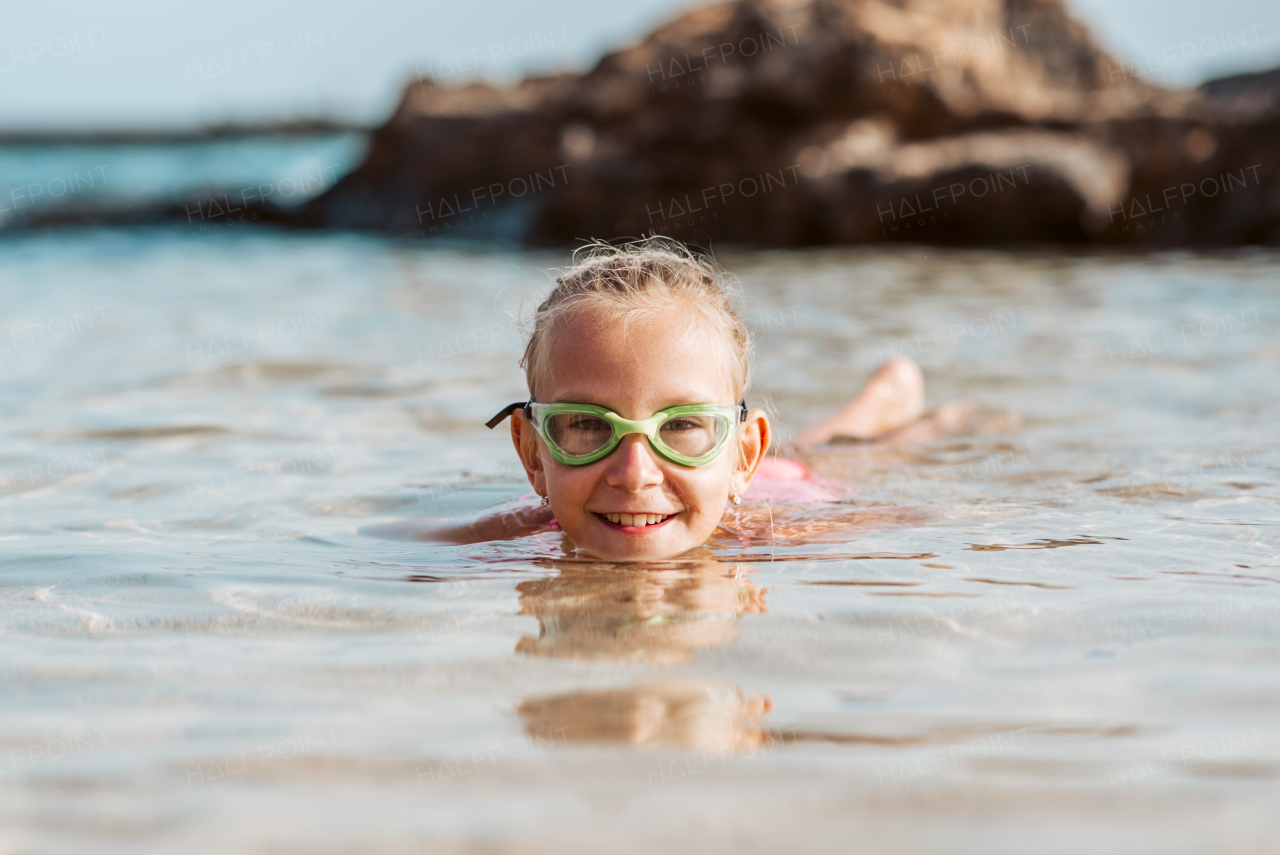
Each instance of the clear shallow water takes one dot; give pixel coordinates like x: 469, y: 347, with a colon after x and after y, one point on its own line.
x: 1055, y: 631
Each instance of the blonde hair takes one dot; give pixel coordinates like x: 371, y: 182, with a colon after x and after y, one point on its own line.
x: 635, y: 279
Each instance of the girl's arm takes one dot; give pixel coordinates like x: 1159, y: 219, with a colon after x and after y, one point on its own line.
x: 518, y: 522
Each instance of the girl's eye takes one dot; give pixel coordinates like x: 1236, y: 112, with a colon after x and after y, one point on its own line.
x: 692, y: 435
x: 578, y: 433
x: 588, y: 424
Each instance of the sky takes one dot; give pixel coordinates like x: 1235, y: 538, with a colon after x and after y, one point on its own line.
x: 166, y: 64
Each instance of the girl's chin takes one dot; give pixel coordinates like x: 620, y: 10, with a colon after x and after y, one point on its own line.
x: 608, y: 541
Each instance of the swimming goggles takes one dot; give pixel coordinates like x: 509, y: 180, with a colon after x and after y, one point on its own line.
x: 577, y: 434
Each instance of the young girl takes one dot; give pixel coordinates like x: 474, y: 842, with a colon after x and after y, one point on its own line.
x: 637, y: 434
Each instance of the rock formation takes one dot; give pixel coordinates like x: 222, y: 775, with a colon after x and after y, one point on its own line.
x: 800, y: 122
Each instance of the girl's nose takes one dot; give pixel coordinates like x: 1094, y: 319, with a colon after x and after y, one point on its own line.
x: 632, y: 466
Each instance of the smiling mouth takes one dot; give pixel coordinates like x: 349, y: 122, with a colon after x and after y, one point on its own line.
x: 636, y: 520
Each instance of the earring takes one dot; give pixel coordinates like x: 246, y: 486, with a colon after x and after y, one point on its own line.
x: 736, y: 500
x: 545, y: 502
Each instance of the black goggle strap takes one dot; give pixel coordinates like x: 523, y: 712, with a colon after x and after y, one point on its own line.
x: 508, y: 410
x: 527, y: 406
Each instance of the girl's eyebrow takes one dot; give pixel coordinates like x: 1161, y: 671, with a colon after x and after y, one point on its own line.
x: 680, y: 403
x: 682, y: 399
x: 586, y: 401
x: 694, y: 399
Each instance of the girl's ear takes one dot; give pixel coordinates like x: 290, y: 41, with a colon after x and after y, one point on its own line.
x: 527, y: 442
x: 756, y: 436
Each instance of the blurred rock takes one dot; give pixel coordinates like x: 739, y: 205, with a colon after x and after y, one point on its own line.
x: 1245, y: 94
x: 779, y: 122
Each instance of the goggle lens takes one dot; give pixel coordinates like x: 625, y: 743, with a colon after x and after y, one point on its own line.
x: 692, y: 435
x: 578, y: 434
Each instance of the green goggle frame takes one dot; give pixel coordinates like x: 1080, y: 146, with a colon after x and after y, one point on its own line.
x: 724, y: 419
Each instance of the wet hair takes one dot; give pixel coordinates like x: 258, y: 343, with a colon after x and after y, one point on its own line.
x: 635, y: 279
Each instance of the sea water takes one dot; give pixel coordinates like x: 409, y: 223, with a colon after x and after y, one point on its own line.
x: 1058, y: 631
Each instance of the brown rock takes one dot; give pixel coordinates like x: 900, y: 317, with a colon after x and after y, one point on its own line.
x: 788, y: 123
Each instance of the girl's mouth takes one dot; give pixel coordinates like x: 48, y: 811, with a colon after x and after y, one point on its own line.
x: 636, y: 523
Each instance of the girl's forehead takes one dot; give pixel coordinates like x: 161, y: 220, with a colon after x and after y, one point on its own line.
x: 666, y: 336
x: 668, y: 355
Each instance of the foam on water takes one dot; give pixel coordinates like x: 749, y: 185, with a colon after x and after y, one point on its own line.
x: 221, y: 633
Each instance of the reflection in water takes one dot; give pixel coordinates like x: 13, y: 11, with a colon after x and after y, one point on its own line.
x: 1043, y: 543
x: 656, y: 613
x: 700, y: 714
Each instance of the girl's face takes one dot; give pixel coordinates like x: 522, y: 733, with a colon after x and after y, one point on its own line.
x: 663, y: 360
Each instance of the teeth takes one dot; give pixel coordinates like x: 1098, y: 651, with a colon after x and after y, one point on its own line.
x: 635, y: 519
